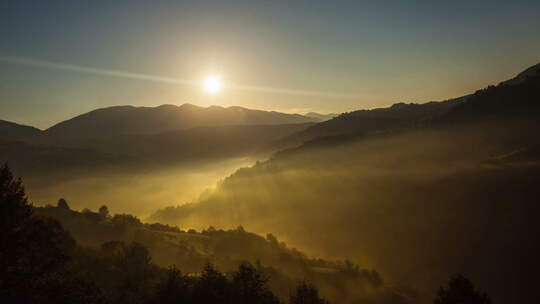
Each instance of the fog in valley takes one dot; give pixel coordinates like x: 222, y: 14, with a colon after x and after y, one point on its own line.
x: 269, y: 152
x: 137, y: 192
x: 410, y: 212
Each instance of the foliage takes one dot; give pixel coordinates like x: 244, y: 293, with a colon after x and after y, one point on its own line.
x: 39, y: 255
x: 306, y: 293
x: 460, y: 291
x: 35, y: 253
x: 191, y: 250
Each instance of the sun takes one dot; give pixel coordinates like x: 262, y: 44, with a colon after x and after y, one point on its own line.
x: 212, y: 84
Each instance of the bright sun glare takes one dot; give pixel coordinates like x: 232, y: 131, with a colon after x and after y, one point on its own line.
x: 212, y: 84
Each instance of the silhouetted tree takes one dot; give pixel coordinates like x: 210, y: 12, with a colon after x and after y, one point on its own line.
x: 130, y: 270
x: 272, y: 239
x: 250, y: 286
x: 62, y: 203
x: 34, y: 252
x: 174, y: 288
x: 212, y: 286
x: 306, y: 293
x: 15, y: 213
x: 460, y: 291
x: 91, y: 216
x: 126, y: 220
x: 41, y: 263
x: 104, y: 211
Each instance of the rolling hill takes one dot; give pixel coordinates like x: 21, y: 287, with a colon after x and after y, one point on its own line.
x: 321, y: 117
x: 14, y: 131
x: 129, y: 120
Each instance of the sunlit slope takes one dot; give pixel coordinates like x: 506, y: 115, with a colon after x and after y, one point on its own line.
x: 411, y: 205
x: 340, y: 281
x: 456, y: 194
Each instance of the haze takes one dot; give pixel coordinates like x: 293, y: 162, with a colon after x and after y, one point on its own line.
x: 269, y: 152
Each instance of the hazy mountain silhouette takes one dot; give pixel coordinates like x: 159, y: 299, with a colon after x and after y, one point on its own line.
x: 126, y: 120
x: 356, y: 123
x: 515, y: 97
x: 29, y: 158
x: 531, y: 71
x: 207, y: 152
x: 190, y: 144
x: 211, y: 142
x: 518, y: 98
x: 14, y: 131
x: 321, y: 117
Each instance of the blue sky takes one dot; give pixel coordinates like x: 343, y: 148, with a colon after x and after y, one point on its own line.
x: 350, y: 54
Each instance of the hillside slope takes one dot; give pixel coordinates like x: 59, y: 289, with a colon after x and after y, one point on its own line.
x: 13, y: 131
x: 361, y: 122
x: 339, y: 281
x: 412, y: 202
x: 515, y: 97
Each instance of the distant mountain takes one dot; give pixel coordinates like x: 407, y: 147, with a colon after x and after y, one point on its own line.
x: 143, y: 151
x: 512, y: 99
x: 189, y: 144
x: 399, y: 115
x: 128, y: 120
x: 26, y: 158
x: 321, y: 117
x: 532, y: 71
x: 13, y: 131
x: 518, y: 98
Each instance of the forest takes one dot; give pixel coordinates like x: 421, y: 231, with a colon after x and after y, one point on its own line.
x: 42, y: 262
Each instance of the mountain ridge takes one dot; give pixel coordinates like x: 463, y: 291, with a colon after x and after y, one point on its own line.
x: 125, y: 120
x: 403, y: 115
x: 14, y: 131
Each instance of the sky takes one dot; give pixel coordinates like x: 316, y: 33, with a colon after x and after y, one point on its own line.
x: 59, y: 59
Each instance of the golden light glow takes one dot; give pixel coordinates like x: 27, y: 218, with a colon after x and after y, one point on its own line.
x: 212, y: 84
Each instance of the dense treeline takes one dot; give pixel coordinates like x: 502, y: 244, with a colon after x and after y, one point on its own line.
x: 38, y: 254
x: 226, y: 249
x: 504, y: 101
x: 42, y: 263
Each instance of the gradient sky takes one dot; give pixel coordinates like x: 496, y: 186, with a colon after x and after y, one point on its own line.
x: 359, y: 54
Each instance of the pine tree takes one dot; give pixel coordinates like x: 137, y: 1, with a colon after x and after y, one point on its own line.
x: 460, y: 291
